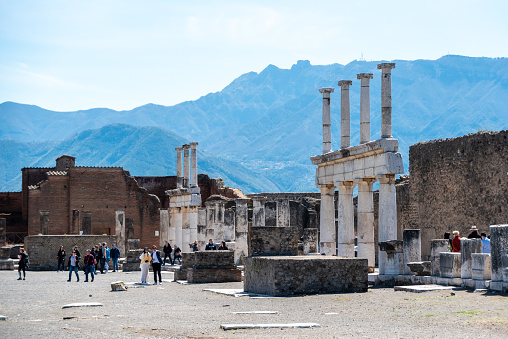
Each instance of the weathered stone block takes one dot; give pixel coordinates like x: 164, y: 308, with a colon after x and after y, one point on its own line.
x: 499, y: 247
x: 412, y: 249
x: 481, y: 266
x: 467, y: 248
x: 208, y: 267
x: 420, y: 267
x: 436, y: 247
x: 450, y: 265
x: 273, y: 241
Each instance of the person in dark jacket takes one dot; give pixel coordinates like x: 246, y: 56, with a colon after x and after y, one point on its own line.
x: 474, y: 233
x: 210, y: 245
x: 195, y: 246
x: 223, y: 246
x: 101, y: 258
x: 167, y: 253
x: 60, y: 257
x: 23, y: 263
x: 89, y: 262
x: 73, y: 265
x: 95, y: 252
x: 177, y: 254
x: 156, y: 264
x: 115, y: 255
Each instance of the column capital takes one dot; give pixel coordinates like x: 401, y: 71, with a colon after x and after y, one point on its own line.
x: 193, y: 144
x: 186, y: 146
x: 179, y: 148
x: 365, y: 76
x: 242, y: 201
x: 386, y: 65
x: 386, y: 178
x: 345, y: 83
x: 326, y: 90
x: 369, y: 181
x: 258, y: 198
x: 346, y: 184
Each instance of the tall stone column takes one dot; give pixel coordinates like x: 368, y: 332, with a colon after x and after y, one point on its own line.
x: 327, y: 121
x: 327, y: 235
x: 283, y: 213
x: 194, y: 164
x: 241, y: 230
x: 201, y: 227
x: 179, y: 177
x: 499, y: 248
x: 193, y: 223
x: 387, y: 223
x: 219, y: 221
x: 178, y: 227
x: 186, y: 167
x: 346, y: 227
x: 365, y: 228
x: 210, y: 220
x: 386, y: 99
x: 258, y: 211
x: 171, y: 226
x: 364, y: 107
x: 186, y: 240
x: 44, y: 219
x: 120, y: 230
x: 345, y: 114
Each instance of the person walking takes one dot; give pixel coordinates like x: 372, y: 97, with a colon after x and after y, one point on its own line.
x: 96, y: 255
x: 177, y: 254
x: 456, y: 242
x: 108, y: 256
x: 89, y: 262
x: 102, y: 256
x: 23, y: 263
x: 167, y: 253
x: 156, y: 265
x: 145, y: 261
x: 115, y: 255
x: 73, y: 265
x: 60, y: 257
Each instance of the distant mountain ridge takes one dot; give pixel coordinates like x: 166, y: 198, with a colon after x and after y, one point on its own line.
x: 270, y: 122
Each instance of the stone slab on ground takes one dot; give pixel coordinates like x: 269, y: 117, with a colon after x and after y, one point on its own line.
x: 257, y: 312
x: 227, y: 327
x: 83, y: 305
x: 423, y: 288
x: 239, y: 293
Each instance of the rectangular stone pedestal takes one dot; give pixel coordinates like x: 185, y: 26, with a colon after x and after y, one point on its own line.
x: 294, y: 275
x: 450, y: 264
x: 209, y: 267
x: 481, y: 266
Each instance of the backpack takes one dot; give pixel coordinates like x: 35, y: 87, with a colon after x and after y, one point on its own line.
x: 26, y: 261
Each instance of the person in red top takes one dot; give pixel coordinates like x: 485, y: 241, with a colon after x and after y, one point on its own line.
x: 89, y: 264
x: 456, y: 242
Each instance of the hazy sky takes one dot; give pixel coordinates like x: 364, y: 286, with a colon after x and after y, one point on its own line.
x: 70, y: 55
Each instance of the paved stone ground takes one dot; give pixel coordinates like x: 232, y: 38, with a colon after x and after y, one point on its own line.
x: 34, y: 308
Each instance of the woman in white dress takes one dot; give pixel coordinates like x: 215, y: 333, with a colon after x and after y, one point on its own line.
x: 145, y: 258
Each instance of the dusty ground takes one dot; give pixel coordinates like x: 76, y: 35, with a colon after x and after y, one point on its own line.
x: 34, y: 308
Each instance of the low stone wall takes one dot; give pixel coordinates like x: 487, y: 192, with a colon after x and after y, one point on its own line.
x: 273, y: 241
x: 209, y: 267
x: 42, y: 249
x: 283, y: 276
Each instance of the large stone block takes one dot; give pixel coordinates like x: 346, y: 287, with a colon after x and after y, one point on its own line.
x: 286, y: 275
x: 412, y: 249
x: 450, y: 265
x: 499, y: 247
x: 436, y: 247
x: 481, y: 266
x: 208, y: 267
x: 467, y: 248
x: 273, y: 241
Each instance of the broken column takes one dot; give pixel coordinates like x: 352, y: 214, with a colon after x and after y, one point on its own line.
x: 345, y: 231
x: 436, y: 247
x: 498, y: 248
x: 327, y: 233
x: 241, y: 230
x: 44, y: 220
x: 365, y: 228
x: 345, y: 115
x: 327, y: 121
x: 258, y: 211
x: 412, y: 249
x: 467, y: 248
x: 179, y: 177
x: 194, y: 164
x: 364, y: 107
x: 186, y: 167
x: 386, y: 99
x: 120, y: 230
x: 387, y: 223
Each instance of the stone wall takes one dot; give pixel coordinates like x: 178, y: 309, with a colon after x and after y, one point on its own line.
x: 209, y: 267
x: 273, y: 241
x: 283, y: 276
x: 42, y: 249
x: 11, y: 206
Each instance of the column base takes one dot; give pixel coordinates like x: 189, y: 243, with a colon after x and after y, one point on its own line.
x: 327, y: 248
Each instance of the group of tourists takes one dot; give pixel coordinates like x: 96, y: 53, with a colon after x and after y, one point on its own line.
x: 177, y: 254
x: 455, y: 242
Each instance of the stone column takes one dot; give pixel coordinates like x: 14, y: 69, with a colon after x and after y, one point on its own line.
x: 467, y: 248
x: 258, y: 212
x: 179, y: 177
x: 364, y: 107
x: 44, y: 219
x: 186, y: 240
x: 193, y: 223
x: 387, y: 223
x: 163, y: 226
x: 219, y: 221
x: 436, y: 247
x: 171, y: 226
x: 365, y: 228
x: 120, y: 230
x: 327, y: 121
x: 201, y: 227
x: 327, y: 236
x: 194, y: 164
x: 3, y: 231
x: 346, y: 227
x: 499, y: 247
x: 386, y: 99
x: 210, y: 221
x: 186, y: 168
x: 412, y: 244
x: 241, y: 230
x: 345, y: 115
x: 283, y: 213
x: 178, y: 227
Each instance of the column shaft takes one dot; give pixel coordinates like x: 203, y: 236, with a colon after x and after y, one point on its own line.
x: 258, y: 211
x: 365, y: 107
x: 327, y: 235
x: 178, y: 227
x: 194, y: 164
x: 345, y: 114
x: 365, y: 229
x: 345, y: 230
x: 179, y: 178
x: 388, y: 264
x: 327, y: 131
x: 241, y: 230
x: 386, y: 99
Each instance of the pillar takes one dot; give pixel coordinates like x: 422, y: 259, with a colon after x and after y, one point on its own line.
x: 178, y: 227
x: 186, y: 168
x: 193, y: 223
x: 186, y: 239
x: 201, y: 227
x: 386, y: 99
x: 219, y: 221
x: 120, y: 230
x: 258, y: 212
x: 194, y: 164
x: 412, y: 244
x: 283, y: 213
x: 241, y: 230
x: 3, y: 231
x: 345, y: 115
x: 365, y: 228
x: 327, y: 236
x: 179, y: 177
x: 498, y: 247
x: 364, y: 107
x: 345, y: 230
x: 467, y: 248
x: 388, y: 264
x: 210, y: 220
x: 327, y: 121
x: 436, y: 247
x: 171, y: 226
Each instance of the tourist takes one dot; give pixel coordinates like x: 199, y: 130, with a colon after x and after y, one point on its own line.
x: 195, y: 246
x: 96, y: 254
x: 210, y: 245
x: 485, y: 243
x: 102, y: 256
x: 223, y: 246
x: 23, y: 263
x: 73, y: 265
x: 447, y: 236
x: 115, y: 255
x: 474, y: 233
x: 145, y: 261
x: 108, y: 256
x: 156, y: 265
x: 456, y: 242
x: 78, y: 254
x: 177, y: 254
x: 167, y: 253
x: 89, y: 262
x: 60, y: 257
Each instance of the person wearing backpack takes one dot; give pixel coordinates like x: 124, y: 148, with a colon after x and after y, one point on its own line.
x: 23, y: 263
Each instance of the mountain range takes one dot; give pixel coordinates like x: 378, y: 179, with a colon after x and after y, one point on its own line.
x: 259, y: 132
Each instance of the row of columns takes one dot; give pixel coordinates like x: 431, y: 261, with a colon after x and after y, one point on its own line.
x: 188, y: 168
x: 181, y: 224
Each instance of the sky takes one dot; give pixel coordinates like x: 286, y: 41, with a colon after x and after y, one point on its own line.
x: 120, y: 54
